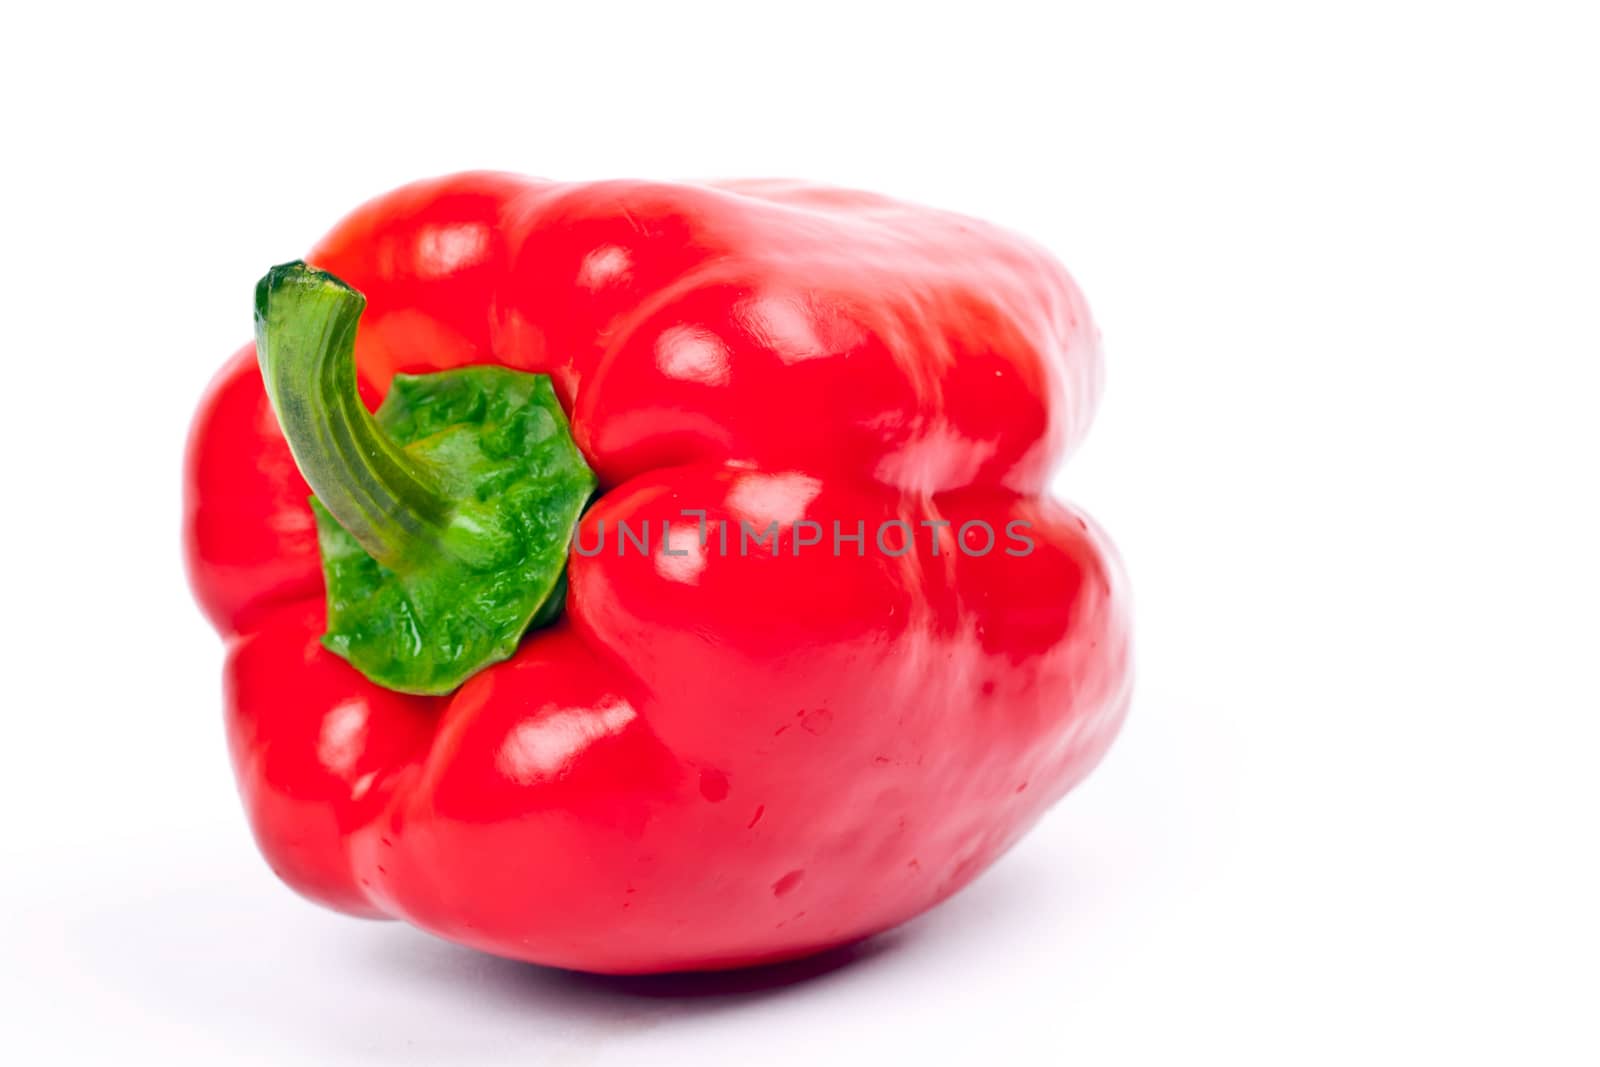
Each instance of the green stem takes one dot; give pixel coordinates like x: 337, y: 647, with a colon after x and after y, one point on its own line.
x: 305, y: 340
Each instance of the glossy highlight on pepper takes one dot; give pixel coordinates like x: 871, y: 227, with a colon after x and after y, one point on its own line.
x: 678, y: 760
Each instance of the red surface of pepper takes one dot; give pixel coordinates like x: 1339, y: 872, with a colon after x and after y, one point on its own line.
x: 713, y: 760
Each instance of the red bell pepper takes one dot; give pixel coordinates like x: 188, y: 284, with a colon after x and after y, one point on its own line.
x: 651, y: 738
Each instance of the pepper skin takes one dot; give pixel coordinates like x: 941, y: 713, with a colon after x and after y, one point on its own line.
x: 710, y: 759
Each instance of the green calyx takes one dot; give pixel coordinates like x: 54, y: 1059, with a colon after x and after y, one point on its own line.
x: 444, y: 519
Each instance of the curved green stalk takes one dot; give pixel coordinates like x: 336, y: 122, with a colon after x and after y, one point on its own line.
x: 305, y: 342
x: 443, y: 520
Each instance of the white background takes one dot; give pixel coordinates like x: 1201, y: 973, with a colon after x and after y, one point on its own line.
x: 1347, y: 263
